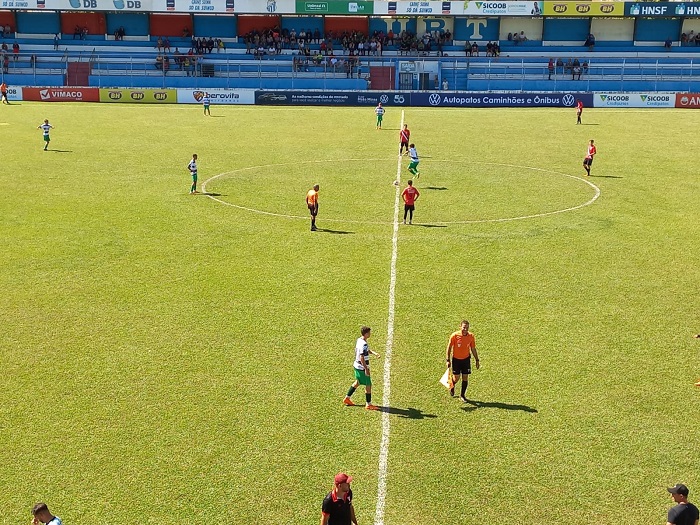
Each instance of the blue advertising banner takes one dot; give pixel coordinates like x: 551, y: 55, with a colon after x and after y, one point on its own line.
x: 501, y: 100
x: 332, y: 98
x: 427, y: 99
x: 662, y: 9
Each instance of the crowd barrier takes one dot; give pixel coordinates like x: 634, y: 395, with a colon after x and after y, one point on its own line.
x: 355, y: 98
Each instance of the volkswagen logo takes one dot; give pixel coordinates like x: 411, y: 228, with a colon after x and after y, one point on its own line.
x: 384, y: 99
x: 568, y: 100
x: 434, y: 99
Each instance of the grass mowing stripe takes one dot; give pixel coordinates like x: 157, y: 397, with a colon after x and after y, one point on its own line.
x: 386, y: 393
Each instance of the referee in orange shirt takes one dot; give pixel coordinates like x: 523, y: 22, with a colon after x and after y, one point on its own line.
x: 459, y: 350
x: 312, y: 203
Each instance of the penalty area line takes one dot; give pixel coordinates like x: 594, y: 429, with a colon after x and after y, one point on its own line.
x: 386, y: 393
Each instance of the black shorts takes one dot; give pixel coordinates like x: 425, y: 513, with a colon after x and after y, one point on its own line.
x: 313, y: 210
x: 461, y: 366
x: 588, y: 161
x: 409, y: 207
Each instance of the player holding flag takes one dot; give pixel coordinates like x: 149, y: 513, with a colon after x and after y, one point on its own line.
x: 379, y: 111
x: 588, y: 160
x: 404, y: 136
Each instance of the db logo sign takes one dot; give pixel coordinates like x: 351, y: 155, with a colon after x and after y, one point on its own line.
x: 114, y: 95
x: 137, y: 95
x: 198, y: 95
x: 568, y: 100
x: 160, y: 95
x: 434, y: 99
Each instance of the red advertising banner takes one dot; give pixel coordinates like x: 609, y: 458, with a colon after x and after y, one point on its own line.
x: 688, y: 100
x: 61, y: 94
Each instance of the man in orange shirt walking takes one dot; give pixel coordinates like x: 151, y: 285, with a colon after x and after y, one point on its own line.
x: 409, y: 196
x: 3, y: 93
x: 312, y: 203
x: 459, y: 350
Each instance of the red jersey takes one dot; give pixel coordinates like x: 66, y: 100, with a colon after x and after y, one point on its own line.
x: 410, y: 194
x: 405, y: 135
x: 591, y: 151
x: 579, y: 106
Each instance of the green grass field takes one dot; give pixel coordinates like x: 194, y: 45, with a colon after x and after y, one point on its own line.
x: 173, y: 358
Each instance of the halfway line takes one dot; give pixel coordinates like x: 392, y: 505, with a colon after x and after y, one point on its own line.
x: 386, y: 394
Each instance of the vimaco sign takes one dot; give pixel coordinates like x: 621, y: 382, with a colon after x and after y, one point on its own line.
x: 688, y: 100
x: 61, y: 94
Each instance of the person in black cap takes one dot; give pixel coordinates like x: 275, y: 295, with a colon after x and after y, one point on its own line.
x: 684, y: 513
x: 337, y: 506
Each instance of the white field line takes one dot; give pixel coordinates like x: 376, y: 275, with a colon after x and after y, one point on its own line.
x: 596, y: 189
x: 386, y: 393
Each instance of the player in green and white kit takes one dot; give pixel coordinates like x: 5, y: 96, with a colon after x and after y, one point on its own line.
x: 192, y: 166
x: 206, y: 103
x: 46, y: 127
x: 379, y: 111
x: 413, y: 166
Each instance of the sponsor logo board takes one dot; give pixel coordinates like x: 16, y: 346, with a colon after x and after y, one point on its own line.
x: 583, y: 9
x: 216, y: 96
x: 61, y: 94
x: 483, y: 100
x: 139, y: 96
x: 688, y: 100
x: 634, y: 100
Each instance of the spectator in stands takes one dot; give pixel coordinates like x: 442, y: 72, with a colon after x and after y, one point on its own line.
x: 122, y: 32
x: 159, y: 62
x: 5, y: 63
x: 220, y: 45
x: 77, y: 32
x: 84, y: 33
x: 4, y: 48
x: 550, y: 68
x: 186, y: 65
x: 590, y: 41
x: 177, y: 57
x: 668, y: 43
x: 568, y: 66
x: 15, y: 51
x: 475, y: 49
x: 560, y: 65
x: 448, y: 37
x: 697, y: 39
x: 510, y: 37
x: 522, y: 37
x: 7, y: 31
x: 496, y: 49
x: 584, y: 66
x: 186, y: 32
x: 166, y: 64
x: 576, y: 72
x: 55, y: 42
x: 516, y: 38
x: 445, y: 84
x: 468, y: 48
x: 211, y: 44
x: 32, y: 61
x: 691, y: 36
x: 684, y: 39
x: 317, y: 36
x: 166, y: 44
x: 159, y: 44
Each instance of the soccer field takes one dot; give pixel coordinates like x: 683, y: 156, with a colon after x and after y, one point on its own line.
x: 178, y: 358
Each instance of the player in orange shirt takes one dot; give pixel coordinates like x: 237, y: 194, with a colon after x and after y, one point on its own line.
x: 409, y: 196
x: 312, y: 203
x: 3, y: 93
x: 588, y: 160
x: 459, y: 350
x: 579, y: 111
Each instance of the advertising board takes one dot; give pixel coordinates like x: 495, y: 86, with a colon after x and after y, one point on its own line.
x: 139, y: 96
x: 688, y: 100
x: 14, y: 93
x: 500, y: 100
x: 432, y: 8
x: 61, y: 94
x: 332, y: 98
x: 216, y: 96
x: 156, y: 6
x: 662, y: 9
x: 634, y: 100
x: 584, y: 9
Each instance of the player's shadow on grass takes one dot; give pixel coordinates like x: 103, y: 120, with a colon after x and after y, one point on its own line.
x: 335, y: 232
x: 438, y: 188
x: 589, y: 124
x: 475, y: 405
x: 209, y: 194
x: 606, y: 176
x: 217, y: 116
x: 430, y: 225
x: 407, y: 413
x: 61, y: 150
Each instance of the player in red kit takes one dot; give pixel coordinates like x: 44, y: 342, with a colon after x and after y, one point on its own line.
x: 589, y: 157
x: 409, y: 196
x: 579, y: 110
x: 405, y: 135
